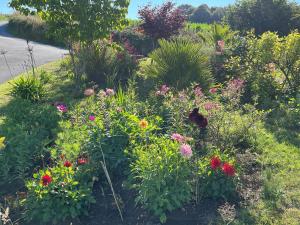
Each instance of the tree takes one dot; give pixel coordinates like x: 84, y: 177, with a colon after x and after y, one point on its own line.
x: 80, y: 21
x: 187, y: 10
x: 161, y: 22
x: 201, y: 15
x: 262, y: 15
x: 77, y: 20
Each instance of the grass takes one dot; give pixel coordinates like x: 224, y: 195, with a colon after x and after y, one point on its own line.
x: 3, y: 17
x: 5, y: 87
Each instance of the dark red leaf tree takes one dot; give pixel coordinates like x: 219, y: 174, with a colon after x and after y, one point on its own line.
x: 162, y: 21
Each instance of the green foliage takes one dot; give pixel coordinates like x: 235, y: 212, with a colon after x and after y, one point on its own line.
x: 214, y: 183
x: 270, y: 67
x: 3, y: 17
x: 141, y: 42
x: 179, y: 62
x: 215, y: 33
x: 267, y: 15
x: 102, y: 62
x: 28, y: 129
x: 161, y: 176
x: 78, y: 20
x: 203, y: 13
x: 28, y: 88
x: 65, y: 197
x: 31, y: 28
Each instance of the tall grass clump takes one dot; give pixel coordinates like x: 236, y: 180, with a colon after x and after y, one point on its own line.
x: 178, y: 63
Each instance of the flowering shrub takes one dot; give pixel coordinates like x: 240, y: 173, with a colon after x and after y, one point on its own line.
x: 161, y: 175
x: 217, y: 176
x: 57, y: 194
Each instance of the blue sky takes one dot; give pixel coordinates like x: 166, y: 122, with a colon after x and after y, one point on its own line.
x: 135, y: 4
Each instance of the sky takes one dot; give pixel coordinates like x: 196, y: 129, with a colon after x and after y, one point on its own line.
x: 135, y: 4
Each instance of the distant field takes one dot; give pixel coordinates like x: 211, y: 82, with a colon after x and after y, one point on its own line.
x: 3, y: 17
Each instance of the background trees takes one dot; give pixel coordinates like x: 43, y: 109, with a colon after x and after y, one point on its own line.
x: 203, y: 13
x: 263, y: 15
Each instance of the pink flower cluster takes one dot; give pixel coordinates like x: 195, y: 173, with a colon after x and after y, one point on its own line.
x: 198, y: 91
x: 211, y: 106
x: 186, y: 151
x: 108, y: 92
x: 234, y: 88
x: 89, y: 92
x: 221, y: 45
x: 213, y: 90
x: 163, y: 90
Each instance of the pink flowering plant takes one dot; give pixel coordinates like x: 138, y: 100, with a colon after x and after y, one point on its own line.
x: 161, y: 175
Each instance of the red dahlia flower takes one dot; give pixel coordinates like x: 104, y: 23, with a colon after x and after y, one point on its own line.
x: 67, y: 164
x: 198, y: 118
x: 46, y: 180
x: 228, y: 169
x: 215, y: 162
x: 82, y: 161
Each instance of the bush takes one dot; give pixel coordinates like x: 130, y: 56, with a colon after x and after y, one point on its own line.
x: 28, y: 130
x: 217, y: 176
x: 270, y: 67
x: 57, y: 194
x: 141, y: 42
x: 161, y: 22
x: 31, y: 28
x: 103, y: 63
x: 161, y: 176
x: 178, y: 63
x: 28, y: 88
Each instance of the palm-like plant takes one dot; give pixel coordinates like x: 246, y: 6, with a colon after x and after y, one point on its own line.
x: 178, y: 63
x: 216, y: 33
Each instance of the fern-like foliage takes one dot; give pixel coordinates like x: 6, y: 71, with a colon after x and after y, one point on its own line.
x: 178, y: 63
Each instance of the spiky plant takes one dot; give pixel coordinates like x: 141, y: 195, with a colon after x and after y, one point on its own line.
x: 178, y: 63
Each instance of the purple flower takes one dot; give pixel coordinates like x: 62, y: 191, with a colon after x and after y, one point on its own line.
x: 163, y: 90
x: 62, y: 108
x: 210, y: 106
x: 186, y: 151
x: 92, y: 118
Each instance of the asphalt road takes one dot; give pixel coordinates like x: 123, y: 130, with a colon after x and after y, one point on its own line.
x: 17, y: 55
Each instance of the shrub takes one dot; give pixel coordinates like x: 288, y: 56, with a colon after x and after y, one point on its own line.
x: 178, y: 63
x: 161, y: 22
x: 104, y: 63
x: 217, y: 176
x: 28, y: 88
x: 29, y: 129
x: 271, y: 65
x: 31, y: 28
x: 141, y: 42
x: 57, y: 194
x: 161, y: 176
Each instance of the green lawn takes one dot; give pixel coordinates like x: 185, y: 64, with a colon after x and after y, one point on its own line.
x: 3, y: 17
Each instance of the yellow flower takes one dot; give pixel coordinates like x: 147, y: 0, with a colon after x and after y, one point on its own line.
x: 143, y: 124
x: 2, y: 145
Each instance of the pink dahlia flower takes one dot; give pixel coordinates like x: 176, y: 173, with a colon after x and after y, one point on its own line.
x: 186, y: 151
